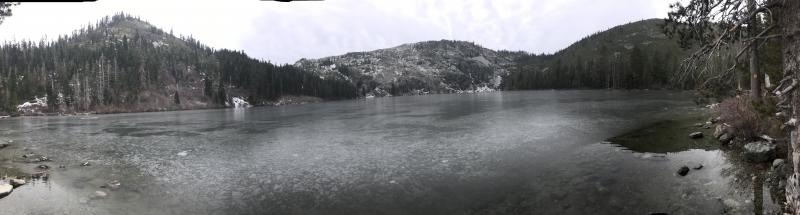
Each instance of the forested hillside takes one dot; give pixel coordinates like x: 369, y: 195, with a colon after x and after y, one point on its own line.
x: 124, y: 64
x: 633, y: 56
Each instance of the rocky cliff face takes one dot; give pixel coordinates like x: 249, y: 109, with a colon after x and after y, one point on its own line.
x: 418, y: 68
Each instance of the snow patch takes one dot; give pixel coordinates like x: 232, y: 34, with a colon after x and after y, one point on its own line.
x: 157, y: 44
x: 30, y: 107
x: 240, y: 103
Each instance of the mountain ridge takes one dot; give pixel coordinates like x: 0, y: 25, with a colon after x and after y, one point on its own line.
x: 125, y: 64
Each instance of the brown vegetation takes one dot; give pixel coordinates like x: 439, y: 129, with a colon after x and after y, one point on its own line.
x: 749, y: 119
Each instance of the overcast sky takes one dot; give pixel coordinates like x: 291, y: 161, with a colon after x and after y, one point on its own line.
x: 286, y: 32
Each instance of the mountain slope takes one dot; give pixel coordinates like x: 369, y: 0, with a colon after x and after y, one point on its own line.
x: 124, y: 64
x: 433, y: 66
x: 634, y: 55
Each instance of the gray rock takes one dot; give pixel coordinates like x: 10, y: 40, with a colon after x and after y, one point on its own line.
x: 683, y: 171
x: 697, y: 166
x: 5, y: 189
x: 725, y: 138
x: 760, y: 151
x: 699, y: 124
x: 779, y: 166
x: 719, y: 131
x: 696, y: 135
x: 3, y: 144
x: 16, y: 182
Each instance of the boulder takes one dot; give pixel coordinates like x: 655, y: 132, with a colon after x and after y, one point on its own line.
x: 779, y: 166
x: 16, y: 182
x: 3, y: 144
x: 696, y: 135
x: 683, y: 171
x: 720, y: 130
x: 5, y: 189
x: 759, y: 151
x: 725, y: 138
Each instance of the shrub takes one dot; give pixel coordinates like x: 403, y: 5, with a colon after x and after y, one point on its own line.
x: 749, y: 119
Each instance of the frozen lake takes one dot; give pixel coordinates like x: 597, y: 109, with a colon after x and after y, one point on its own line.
x: 529, y: 152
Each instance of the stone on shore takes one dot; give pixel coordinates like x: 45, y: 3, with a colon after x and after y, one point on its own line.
x: 720, y: 130
x: 725, y: 138
x: 696, y: 135
x: 759, y: 151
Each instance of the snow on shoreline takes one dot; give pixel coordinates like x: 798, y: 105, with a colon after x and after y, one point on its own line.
x: 240, y: 103
x: 31, y: 107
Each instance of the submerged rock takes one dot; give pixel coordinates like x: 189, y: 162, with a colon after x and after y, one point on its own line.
x: 99, y: 194
x: 760, y: 151
x: 696, y: 135
x: 683, y: 171
x: 5, y: 189
x: 112, y: 185
x: 3, y: 144
x: 40, y: 175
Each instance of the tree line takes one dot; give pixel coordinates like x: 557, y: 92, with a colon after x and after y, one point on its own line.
x: 124, y: 62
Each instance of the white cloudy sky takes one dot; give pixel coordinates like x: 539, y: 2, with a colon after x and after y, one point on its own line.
x: 286, y: 32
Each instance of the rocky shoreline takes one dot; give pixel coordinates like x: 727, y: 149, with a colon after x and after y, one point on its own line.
x: 23, y: 166
x: 766, y: 156
x: 286, y: 100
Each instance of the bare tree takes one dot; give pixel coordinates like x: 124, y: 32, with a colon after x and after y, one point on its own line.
x: 718, y: 24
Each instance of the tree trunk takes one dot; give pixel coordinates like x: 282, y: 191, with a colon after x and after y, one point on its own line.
x: 755, y: 76
x: 791, y: 65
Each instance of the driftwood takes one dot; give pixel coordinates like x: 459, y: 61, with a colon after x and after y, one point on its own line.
x: 788, y: 89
